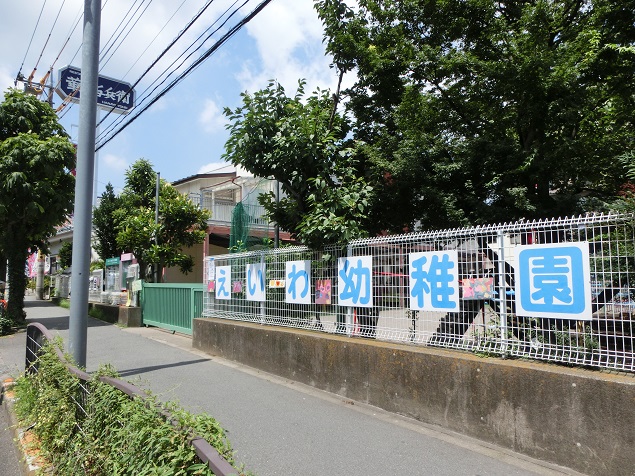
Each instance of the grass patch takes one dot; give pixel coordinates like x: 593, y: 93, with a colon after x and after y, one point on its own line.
x: 97, y: 313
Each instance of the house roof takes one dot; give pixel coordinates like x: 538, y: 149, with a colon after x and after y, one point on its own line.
x: 192, y: 178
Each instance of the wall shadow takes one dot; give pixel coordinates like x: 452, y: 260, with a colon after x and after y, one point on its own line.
x: 150, y: 368
x: 61, y: 323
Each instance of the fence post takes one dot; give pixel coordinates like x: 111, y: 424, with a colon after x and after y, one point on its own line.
x: 350, y: 325
x: 263, y: 307
x: 503, y: 290
x: 192, y: 306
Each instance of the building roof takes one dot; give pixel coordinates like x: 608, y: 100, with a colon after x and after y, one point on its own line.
x: 192, y: 178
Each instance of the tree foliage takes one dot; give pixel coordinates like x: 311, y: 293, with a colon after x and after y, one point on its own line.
x: 66, y: 254
x: 36, y: 184
x: 181, y: 223
x: 300, y: 142
x: 104, y: 225
x: 479, y: 111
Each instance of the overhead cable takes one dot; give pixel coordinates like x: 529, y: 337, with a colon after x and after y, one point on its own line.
x: 173, y: 69
x: 47, y: 40
x: 155, y: 37
x: 62, y: 108
x: 163, y: 53
x: 189, y: 70
x: 113, y: 40
x: 18, y: 77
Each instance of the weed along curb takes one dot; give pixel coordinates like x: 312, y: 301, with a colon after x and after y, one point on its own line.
x: 27, y: 453
x: 99, y: 424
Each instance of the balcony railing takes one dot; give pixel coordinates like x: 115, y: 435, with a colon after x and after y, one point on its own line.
x: 222, y: 211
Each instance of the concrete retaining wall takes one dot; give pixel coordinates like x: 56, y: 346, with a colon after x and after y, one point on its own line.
x: 581, y: 419
x: 122, y: 315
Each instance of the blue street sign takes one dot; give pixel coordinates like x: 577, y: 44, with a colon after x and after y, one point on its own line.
x: 111, y: 93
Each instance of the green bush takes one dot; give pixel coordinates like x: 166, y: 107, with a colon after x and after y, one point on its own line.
x: 119, y: 435
x: 5, y: 322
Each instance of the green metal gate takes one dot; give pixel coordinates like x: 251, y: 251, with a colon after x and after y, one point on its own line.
x: 172, y: 306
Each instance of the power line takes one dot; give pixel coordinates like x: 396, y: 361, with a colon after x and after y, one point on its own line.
x: 102, y: 55
x: 163, y: 53
x: 121, y: 42
x: 155, y: 37
x: 118, y: 121
x: 15, y: 83
x: 189, y: 70
x: 47, y: 40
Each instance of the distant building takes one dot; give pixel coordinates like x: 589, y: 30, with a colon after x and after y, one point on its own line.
x: 221, y: 193
x: 63, y: 235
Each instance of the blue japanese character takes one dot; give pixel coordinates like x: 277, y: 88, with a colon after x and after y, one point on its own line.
x: 357, y: 281
x: 437, y: 282
x: 550, y: 279
x: 293, y: 277
x: 259, y: 281
x: 222, y: 280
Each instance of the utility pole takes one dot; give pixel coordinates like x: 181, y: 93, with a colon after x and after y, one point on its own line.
x: 276, y: 238
x: 51, y: 88
x: 78, y: 325
x: 156, y: 222
x: 39, y: 277
x: 96, y: 184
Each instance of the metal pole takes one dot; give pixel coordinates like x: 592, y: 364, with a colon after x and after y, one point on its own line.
x: 156, y: 222
x: 51, y: 88
x: 276, y: 243
x: 503, y: 290
x: 96, y: 184
x: 84, y: 182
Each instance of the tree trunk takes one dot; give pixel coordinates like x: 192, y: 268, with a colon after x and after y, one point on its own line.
x: 17, y: 282
x: 3, y: 267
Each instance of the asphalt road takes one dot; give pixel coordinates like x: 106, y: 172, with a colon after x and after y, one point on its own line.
x: 277, y: 426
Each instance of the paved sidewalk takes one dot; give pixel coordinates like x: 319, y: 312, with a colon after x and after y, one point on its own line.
x: 276, y: 426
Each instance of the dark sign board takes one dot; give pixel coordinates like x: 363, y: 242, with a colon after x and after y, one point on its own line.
x: 110, y: 92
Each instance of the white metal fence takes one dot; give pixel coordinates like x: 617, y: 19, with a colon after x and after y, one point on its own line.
x: 559, y: 290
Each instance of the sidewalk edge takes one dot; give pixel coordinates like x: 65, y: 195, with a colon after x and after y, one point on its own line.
x: 7, y: 406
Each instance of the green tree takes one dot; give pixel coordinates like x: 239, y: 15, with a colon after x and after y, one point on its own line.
x: 36, y: 184
x: 105, y: 226
x: 181, y: 223
x: 479, y: 111
x: 66, y: 254
x: 301, y: 142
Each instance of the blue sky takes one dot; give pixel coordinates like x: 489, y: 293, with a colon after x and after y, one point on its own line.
x: 184, y: 133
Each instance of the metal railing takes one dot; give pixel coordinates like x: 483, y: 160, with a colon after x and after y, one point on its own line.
x: 37, y: 336
x: 222, y: 210
x: 558, y: 290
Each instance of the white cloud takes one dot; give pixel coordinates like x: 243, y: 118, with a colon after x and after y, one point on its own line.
x: 6, y: 81
x: 211, y: 117
x: 113, y: 162
x: 216, y: 167
x: 276, y: 45
x: 289, y: 53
